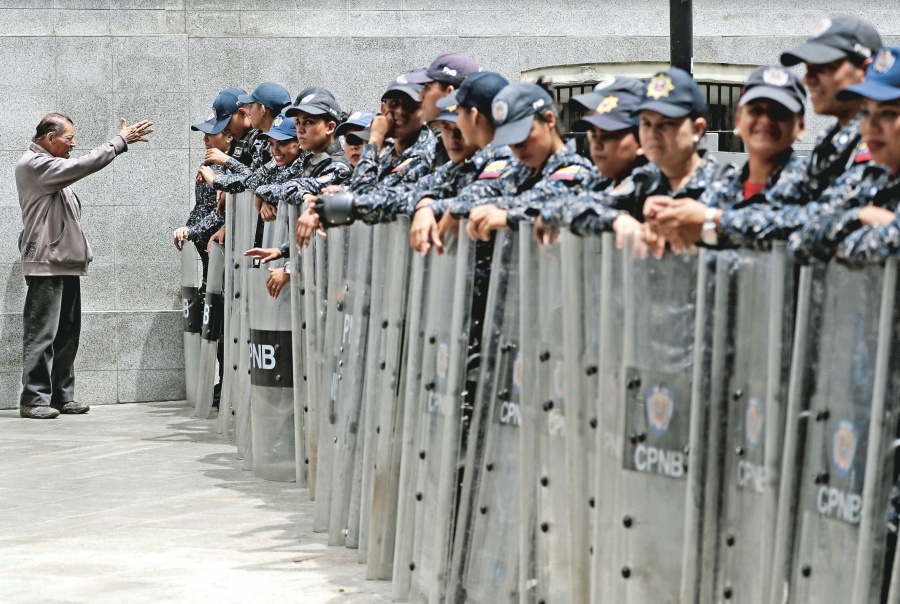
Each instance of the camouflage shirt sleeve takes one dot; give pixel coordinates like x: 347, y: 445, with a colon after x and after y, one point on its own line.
x: 367, y: 171
x: 569, y: 175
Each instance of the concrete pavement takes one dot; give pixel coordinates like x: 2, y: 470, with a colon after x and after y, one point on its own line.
x: 145, y: 503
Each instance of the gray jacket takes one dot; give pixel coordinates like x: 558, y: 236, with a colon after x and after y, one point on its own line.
x: 53, y: 242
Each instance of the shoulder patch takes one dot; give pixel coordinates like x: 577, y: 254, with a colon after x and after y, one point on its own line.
x: 863, y: 154
x: 403, y: 165
x: 626, y: 187
x: 494, y: 169
x: 567, y: 173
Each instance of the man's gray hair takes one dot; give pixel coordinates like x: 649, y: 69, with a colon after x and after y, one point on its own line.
x: 52, y: 123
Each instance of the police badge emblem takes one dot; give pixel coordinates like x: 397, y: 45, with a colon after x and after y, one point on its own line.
x: 753, y: 423
x: 659, y: 86
x: 884, y: 61
x: 823, y: 26
x: 608, y: 104
x: 307, y: 98
x: 775, y: 76
x: 605, y: 82
x: 442, y: 361
x: 500, y: 110
x: 277, y: 121
x: 843, y: 447
x: 402, y: 79
x: 660, y: 409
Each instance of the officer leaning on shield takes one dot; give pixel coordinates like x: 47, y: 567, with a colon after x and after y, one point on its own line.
x: 455, y: 140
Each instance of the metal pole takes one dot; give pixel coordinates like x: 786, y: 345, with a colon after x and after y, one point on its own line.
x: 681, y: 34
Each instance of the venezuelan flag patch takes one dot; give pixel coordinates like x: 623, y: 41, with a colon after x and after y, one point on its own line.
x: 567, y: 173
x: 403, y: 166
x: 493, y: 170
x: 862, y: 153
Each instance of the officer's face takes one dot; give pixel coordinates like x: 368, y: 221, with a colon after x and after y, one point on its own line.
x: 431, y: 93
x: 537, y: 148
x: 880, y: 129
x: 284, y: 152
x: 313, y: 132
x: 456, y: 146
x: 59, y: 145
x: 220, y: 141
x: 767, y: 128
x: 824, y: 82
x: 614, y: 153
x: 257, y: 114
x: 407, y: 114
x: 351, y: 150
x: 669, y: 142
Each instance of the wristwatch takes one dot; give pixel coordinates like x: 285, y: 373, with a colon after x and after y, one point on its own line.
x: 708, y: 234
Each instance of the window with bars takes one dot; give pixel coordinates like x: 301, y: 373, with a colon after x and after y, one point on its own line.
x: 721, y: 103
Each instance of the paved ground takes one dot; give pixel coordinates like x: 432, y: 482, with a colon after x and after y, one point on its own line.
x: 145, y: 503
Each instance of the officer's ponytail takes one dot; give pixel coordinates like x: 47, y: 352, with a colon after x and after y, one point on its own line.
x: 549, y: 89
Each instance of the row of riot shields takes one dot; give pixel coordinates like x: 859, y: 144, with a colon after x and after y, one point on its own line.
x: 514, y: 422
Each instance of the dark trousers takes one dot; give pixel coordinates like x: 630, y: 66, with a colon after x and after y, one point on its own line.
x: 51, y: 331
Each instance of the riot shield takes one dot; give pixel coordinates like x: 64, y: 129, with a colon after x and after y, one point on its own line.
x: 841, y: 431
x: 411, y: 454
x: 651, y: 420
x: 245, y: 233
x: 486, y: 543
x: 225, y: 419
x: 444, y: 362
x: 300, y: 286
x: 313, y: 297
x: 384, y: 472
x: 211, y: 331
x: 271, y: 367
x: 192, y: 316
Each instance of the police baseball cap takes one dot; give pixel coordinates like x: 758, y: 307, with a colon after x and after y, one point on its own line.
x: 448, y: 67
x: 317, y: 101
x: 359, y: 119
x: 225, y: 105
x: 447, y: 114
x: 401, y: 86
x: 673, y: 93
x: 268, y: 94
x: 882, y: 81
x: 617, y: 111
x: 205, y: 126
x: 359, y: 137
x: 835, y: 38
x: 513, y: 110
x: 605, y: 87
x: 477, y: 91
x: 774, y: 83
x: 282, y: 129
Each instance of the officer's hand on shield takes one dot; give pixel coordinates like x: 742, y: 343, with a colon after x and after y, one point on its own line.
x: 215, y: 156
x: 179, y: 236
x: 680, y: 221
x: 220, y: 203
x: 629, y: 233
x: 264, y: 254
x: 307, y: 224
x: 483, y: 220
x: 278, y: 277
x: 218, y: 237
x: 875, y: 216
x: 447, y: 224
x: 267, y: 212
x: 423, y: 232
x: 544, y: 234
x: 136, y: 133
x: 207, y: 174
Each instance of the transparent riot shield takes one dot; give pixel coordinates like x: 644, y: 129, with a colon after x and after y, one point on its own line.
x: 245, y: 233
x: 444, y: 363
x: 750, y: 359
x: 213, y: 308
x: 844, y: 464
x: 313, y: 297
x: 650, y: 424
x: 486, y: 542
x: 231, y: 329
x: 411, y: 453
x: 384, y: 472
x: 300, y: 286
x: 192, y: 317
x: 271, y: 366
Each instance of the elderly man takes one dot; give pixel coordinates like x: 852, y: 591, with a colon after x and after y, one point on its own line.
x: 55, y: 253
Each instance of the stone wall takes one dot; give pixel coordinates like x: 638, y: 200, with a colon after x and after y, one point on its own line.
x: 165, y: 60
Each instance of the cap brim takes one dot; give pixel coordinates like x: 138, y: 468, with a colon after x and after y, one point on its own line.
x: 245, y: 98
x: 353, y: 138
x: 812, y: 53
x: 205, y: 127
x: 419, y: 77
x: 605, y: 122
x: 409, y: 91
x: 445, y: 116
x: 278, y: 136
x: 772, y: 94
x: 665, y: 109
x: 221, y: 124
x: 363, y: 135
x: 869, y: 90
x: 588, y: 100
x: 341, y: 130
x: 447, y: 101
x: 513, y: 133
x: 310, y: 109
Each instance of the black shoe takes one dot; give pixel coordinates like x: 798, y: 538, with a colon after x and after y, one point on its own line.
x: 38, y: 412
x: 72, y: 408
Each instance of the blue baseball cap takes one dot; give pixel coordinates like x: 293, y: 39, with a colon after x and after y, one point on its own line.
x: 282, y: 129
x: 774, y: 83
x: 673, y: 93
x: 836, y: 38
x: 225, y: 105
x: 316, y: 101
x: 513, y: 110
x: 616, y: 111
x: 359, y: 119
x: 205, y: 126
x: 446, y: 115
x: 882, y: 81
x: 477, y: 91
x: 401, y: 85
x: 606, y: 86
x: 448, y: 67
x: 268, y: 94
